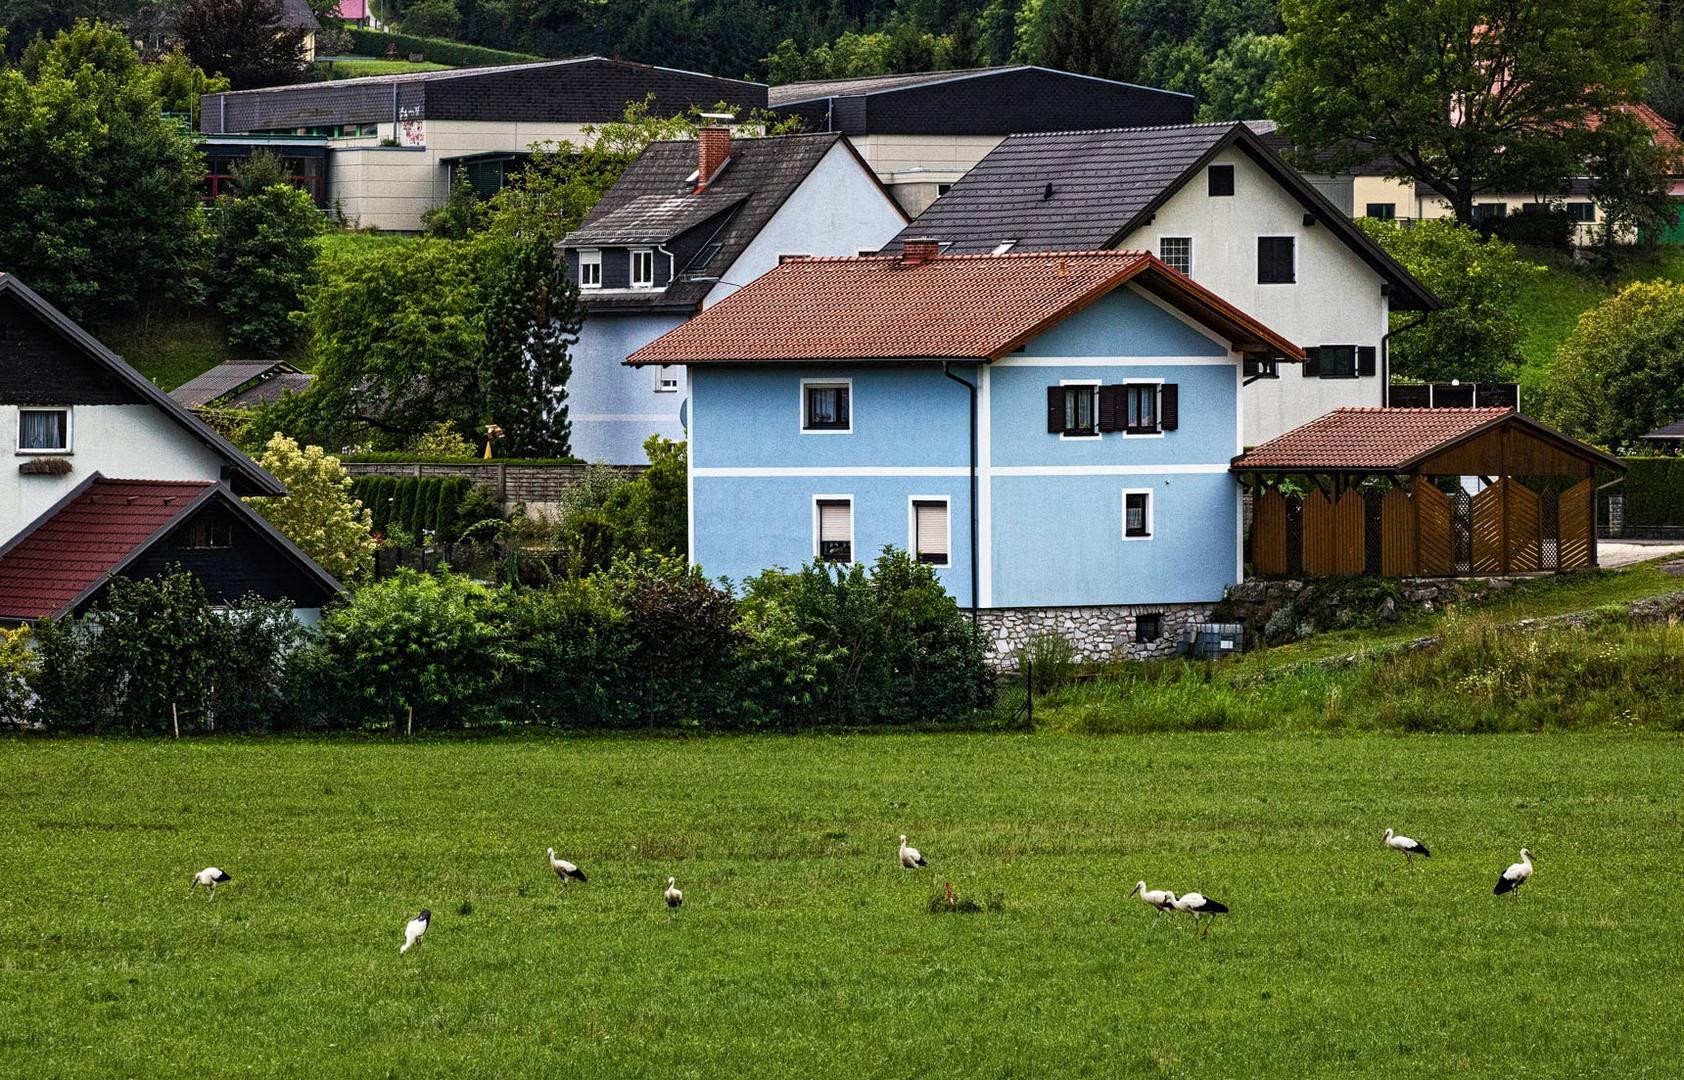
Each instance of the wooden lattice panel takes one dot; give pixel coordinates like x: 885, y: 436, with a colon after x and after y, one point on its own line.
x: 1575, y: 535
x: 1522, y: 533
x: 1268, y: 532
x: 1488, y: 529
x: 1397, y: 531
x: 1432, y: 512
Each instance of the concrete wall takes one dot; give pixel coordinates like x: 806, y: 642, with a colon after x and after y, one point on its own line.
x: 1336, y: 299
x: 128, y: 442
x: 913, y: 166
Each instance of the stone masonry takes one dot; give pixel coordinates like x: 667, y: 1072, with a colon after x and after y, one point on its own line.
x: 1096, y: 633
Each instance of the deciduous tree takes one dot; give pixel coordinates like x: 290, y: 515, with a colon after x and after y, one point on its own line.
x: 317, y: 513
x: 243, y: 40
x: 266, y: 249
x: 1620, y: 374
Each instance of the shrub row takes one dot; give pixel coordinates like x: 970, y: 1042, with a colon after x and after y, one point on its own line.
x: 439, y: 51
x: 647, y: 643
x: 442, y: 506
x: 1654, y: 491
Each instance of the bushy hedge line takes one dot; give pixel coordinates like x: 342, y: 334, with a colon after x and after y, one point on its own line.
x: 647, y: 643
x: 410, y: 457
x: 437, y: 50
x: 1654, y: 491
x: 441, y: 507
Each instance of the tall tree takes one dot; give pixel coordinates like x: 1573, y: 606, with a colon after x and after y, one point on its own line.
x: 242, y: 39
x: 266, y: 246
x: 1087, y: 37
x: 1465, y: 96
x: 532, y: 319
x: 1235, y: 86
x: 962, y: 47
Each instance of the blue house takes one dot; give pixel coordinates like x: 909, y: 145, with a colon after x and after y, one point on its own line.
x: 1051, y: 431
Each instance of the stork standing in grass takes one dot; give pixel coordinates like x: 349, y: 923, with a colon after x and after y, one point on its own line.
x: 210, y: 876
x: 565, y: 870
x: 412, y: 933
x: 910, y: 857
x: 1516, y: 875
x: 674, y: 897
x: 1198, y: 905
x: 1410, y: 848
x: 1161, y: 899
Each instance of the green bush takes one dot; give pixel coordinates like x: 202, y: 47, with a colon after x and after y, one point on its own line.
x: 266, y: 245
x: 1051, y: 658
x: 437, y: 50
x: 1653, y: 490
x: 575, y: 655
x: 416, y: 507
x: 685, y: 635
x: 1620, y: 374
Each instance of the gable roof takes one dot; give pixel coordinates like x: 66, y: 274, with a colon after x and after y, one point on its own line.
x: 951, y: 307
x: 249, y: 477
x: 652, y: 203
x: 64, y: 556
x: 1105, y: 184
x: 224, y: 380
x: 1391, y: 440
x: 296, y: 15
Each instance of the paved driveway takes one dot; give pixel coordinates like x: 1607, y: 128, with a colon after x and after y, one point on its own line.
x: 1610, y: 553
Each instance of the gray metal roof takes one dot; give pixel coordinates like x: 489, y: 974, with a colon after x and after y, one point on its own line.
x: 1105, y: 184
x: 793, y: 93
x: 223, y: 379
x: 1674, y: 430
x: 654, y: 218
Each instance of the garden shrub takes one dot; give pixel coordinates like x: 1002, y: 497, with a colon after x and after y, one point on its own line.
x: 684, y: 633
x: 573, y: 654
x: 18, y: 664
x: 1051, y: 658
x: 439, y: 508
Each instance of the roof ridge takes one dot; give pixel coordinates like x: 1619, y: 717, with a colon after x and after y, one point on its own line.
x: 1141, y: 127
x: 957, y: 256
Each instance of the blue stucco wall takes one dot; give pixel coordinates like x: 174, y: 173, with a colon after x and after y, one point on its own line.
x: 614, y: 408
x: 1123, y: 323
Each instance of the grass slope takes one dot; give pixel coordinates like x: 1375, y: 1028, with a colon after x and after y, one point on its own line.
x: 1552, y: 303
x: 339, y: 68
x: 803, y: 949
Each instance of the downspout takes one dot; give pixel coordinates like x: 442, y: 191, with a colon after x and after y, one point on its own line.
x: 975, y: 569
x: 1386, y: 355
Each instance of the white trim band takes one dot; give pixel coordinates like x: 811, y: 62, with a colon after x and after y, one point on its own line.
x: 838, y: 470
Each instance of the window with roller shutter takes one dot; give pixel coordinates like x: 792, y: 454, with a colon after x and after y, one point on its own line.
x: 835, y: 539
x: 930, y: 530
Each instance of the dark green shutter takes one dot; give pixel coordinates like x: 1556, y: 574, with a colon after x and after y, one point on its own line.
x: 1365, y: 360
x: 1055, y: 410
x: 1169, y: 406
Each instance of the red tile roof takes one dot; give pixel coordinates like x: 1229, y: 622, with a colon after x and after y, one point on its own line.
x: 1664, y: 133
x: 951, y: 307
x: 1367, y: 438
x: 88, y: 537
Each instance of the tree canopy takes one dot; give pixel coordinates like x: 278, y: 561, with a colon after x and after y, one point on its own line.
x: 242, y: 40
x: 1620, y: 374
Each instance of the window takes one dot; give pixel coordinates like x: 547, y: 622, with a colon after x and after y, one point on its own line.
x: 1277, y: 260
x: 1384, y: 211
x: 930, y: 531
x: 643, y: 269
x: 1581, y: 211
x: 1337, y: 361
x: 1073, y: 410
x: 943, y: 189
x: 43, y: 431
x: 833, y: 529
x: 590, y: 269
x: 1137, y: 515
x: 666, y: 379
x: 1003, y: 246
x: 207, y: 531
x: 706, y: 256
x: 1490, y: 211
x: 1148, y: 628
x: 827, y: 406
x: 1221, y: 179
x: 1141, y: 402
x: 1177, y: 251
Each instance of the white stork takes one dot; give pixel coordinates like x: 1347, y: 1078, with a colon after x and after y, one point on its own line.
x: 1516, y: 875
x: 674, y: 897
x: 1197, y: 905
x: 1161, y: 899
x: 1410, y: 848
x: 565, y: 870
x: 211, y: 876
x: 909, y: 856
x: 412, y: 933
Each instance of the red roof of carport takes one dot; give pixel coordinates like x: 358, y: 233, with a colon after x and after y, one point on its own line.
x: 1366, y: 438
x: 88, y: 537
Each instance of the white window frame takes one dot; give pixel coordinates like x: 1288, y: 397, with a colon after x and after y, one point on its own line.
x: 1158, y: 415
x: 853, y: 547
x: 1190, y: 250
x: 1151, y: 513
x: 661, y: 377
x: 801, y: 407
x: 69, y: 431
x: 636, y: 284
x: 590, y: 257
x: 1297, y: 275
x: 912, y: 502
x: 1065, y: 436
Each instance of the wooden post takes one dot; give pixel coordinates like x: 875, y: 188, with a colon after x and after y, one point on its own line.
x: 409, y: 724
x: 1503, y: 479
x: 175, y: 720
x: 1590, y: 474
x: 502, y: 485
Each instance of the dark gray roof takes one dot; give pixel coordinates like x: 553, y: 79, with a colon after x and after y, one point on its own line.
x: 790, y: 93
x: 1105, y: 184
x: 296, y: 15
x: 760, y: 175
x: 653, y: 218
x: 286, y: 382
x: 224, y: 380
x: 1674, y: 430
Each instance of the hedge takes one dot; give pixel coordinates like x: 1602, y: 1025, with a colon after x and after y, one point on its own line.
x: 441, y: 505
x: 1654, y: 491
x: 405, y: 457
x: 437, y: 50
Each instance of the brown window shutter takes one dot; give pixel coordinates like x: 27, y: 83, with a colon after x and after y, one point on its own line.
x: 1055, y: 410
x: 1110, y: 408
x: 1169, y: 406
x: 1365, y: 360
x: 1312, y: 362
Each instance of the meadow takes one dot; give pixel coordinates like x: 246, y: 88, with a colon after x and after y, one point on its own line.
x: 803, y: 948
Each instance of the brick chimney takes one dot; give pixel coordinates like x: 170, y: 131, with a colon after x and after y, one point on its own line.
x: 918, y: 250
x: 713, y: 147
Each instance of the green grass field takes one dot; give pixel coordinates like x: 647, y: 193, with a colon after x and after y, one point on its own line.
x: 1551, y: 305
x: 356, y: 69
x: 803, y: 949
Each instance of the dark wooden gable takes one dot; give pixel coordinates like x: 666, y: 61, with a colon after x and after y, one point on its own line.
x: 1508, y: 449
x: 39, y: 367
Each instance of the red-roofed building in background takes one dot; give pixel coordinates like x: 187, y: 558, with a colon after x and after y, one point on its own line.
x: 356, y: 13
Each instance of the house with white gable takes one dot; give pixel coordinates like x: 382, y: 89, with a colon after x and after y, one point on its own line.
x: 112, y: 477
x: 1216, y: 203
x: 689, y: 223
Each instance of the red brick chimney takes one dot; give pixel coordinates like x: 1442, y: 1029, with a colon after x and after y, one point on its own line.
x: 713, y: 146
x: 918, y: 251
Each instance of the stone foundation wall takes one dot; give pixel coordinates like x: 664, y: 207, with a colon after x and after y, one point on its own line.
x: 1096, y: 633
x: 1354, y: 601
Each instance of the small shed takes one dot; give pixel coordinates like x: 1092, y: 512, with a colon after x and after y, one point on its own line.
x: 1422, y: 493
x: 1668, y: 439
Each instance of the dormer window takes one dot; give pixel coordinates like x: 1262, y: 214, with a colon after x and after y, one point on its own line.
x: 590, y: 269
x: 643, y: 268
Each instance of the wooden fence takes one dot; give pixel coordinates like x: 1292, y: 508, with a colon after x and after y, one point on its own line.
x: 539, y: 486
x: 1422, y: 531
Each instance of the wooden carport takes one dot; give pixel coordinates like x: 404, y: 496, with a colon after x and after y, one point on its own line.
x: 1422, y: 493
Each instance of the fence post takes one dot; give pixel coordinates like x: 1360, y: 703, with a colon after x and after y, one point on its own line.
x: 502, y: 485
x: 1029, y: 692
